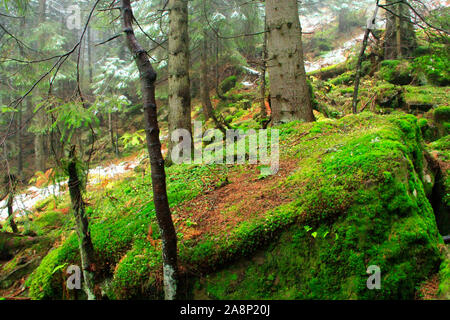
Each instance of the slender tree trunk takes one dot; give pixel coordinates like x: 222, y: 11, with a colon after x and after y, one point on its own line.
x: 39, y: 143
x: 398, y: 38
x: 39, y: 140
x: 82, y: 224
x: 19, y: 142
x: 163, y: 215
x: 370, y: 26
x: 89, y: 44
x: 116, y: 141
x: 179, y: 82
x: 288, y: 87
x: 11, y: 221
x: 262, y: 78
x: 111, y: 131
x: 217, y: 65
x: 208, y: 109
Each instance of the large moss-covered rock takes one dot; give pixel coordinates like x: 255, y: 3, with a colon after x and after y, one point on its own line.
x: 362, y: 205
x: 357, y: 200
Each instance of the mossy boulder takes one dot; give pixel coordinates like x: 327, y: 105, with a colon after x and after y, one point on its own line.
x: 227, y: 84
x: 363, y: 205
x: 397, y: 72
x: 329, y: 72
x: 441, y: 117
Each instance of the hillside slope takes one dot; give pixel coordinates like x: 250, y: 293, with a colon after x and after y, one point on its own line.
x: 350, y: 193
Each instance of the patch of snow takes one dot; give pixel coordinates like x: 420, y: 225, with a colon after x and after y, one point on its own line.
x: 333, y: 57
x: 251, y: 71
x: 247, y: 84
x: 25, y: 202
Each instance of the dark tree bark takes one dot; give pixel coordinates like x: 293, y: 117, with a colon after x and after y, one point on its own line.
x: 19, y: 141
x: 9, y: 184
x: 163, y: 214
x: 9, y: 204
x: 262, y: 78
x: 84, y: 236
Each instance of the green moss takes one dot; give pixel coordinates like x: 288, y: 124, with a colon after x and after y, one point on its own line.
x: 329, y: 72
x: 367, y: 206
x: 47, y: 281
x: 425, y: 96
x: 358, y: 186
x: 444, y: 275
x: 396, y: 72
x: 434, y: 67
x: 346, y: 78
x: 120, y: 218
x: 442, y: 114
x: 228, y: 84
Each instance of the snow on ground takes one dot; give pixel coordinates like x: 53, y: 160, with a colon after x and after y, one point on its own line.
x: 24, y: 202
x: 316, y: 20
x: 333, y: 57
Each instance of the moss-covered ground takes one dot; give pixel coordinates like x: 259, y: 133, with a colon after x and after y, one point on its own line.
x: 353, y: 198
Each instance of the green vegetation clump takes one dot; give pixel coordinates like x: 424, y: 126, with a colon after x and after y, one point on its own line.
x: 397, y: 72
x: 329, y: 72
x: 228, y: 84
x: 346, y: 78
x: 442, y: 119
x: 444, y: 275
x: 442, y: 114
x: 433, y: 68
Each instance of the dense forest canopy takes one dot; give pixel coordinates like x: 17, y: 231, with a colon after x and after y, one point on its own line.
x: 109, y: 110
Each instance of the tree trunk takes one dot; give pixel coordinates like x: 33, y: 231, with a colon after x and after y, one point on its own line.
x: 39, y: 142
x: 82, y: 225
x: 400, y: 38
x: 288, y: 87
x: 179, y: 83
x: 163, y: 215
x: 208, y: 109
x: 39, y: 139
x: 89, y: 44
x: 370, y: 26
x: 19, y: 142
x: 11, y: 221
x: 116, y: 141
x: 342, y: 20
x: 262, y: 78
x: 111, y: 131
